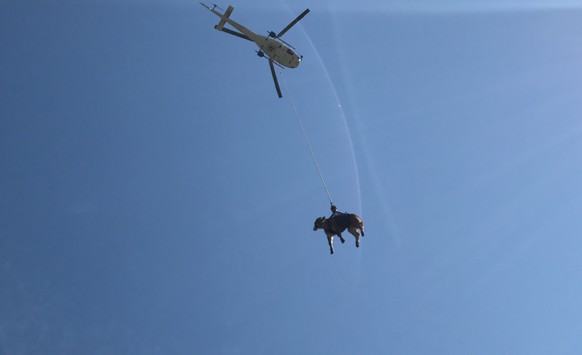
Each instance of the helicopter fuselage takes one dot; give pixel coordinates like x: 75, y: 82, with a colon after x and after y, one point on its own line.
x: 273, y: 48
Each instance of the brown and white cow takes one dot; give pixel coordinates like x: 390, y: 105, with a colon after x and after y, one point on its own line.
x: 337, y: 224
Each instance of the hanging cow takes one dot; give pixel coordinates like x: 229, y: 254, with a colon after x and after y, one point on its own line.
x: 337, y: 224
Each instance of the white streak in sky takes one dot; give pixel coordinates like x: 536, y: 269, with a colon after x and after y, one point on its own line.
x: 343, y: 116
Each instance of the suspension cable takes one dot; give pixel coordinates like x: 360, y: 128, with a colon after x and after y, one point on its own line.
x: 306, y: 139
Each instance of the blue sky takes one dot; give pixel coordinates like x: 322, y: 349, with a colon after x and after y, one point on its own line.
x: 156, y: 196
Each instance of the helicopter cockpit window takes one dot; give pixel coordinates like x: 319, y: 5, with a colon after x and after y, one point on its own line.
x: 289, y: 51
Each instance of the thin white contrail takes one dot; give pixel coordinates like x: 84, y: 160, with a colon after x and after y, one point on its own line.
x: 342, y: 115
x: 358, y: 270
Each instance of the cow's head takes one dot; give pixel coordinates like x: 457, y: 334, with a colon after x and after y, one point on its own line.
x: 319, y: 223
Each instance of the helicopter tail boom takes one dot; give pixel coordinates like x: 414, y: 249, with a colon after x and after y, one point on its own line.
x: 223, y: 18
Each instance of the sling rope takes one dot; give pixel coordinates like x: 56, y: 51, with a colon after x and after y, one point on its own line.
x: 306, y: 139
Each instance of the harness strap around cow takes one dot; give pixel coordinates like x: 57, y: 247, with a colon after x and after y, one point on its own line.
x: 330, y: 228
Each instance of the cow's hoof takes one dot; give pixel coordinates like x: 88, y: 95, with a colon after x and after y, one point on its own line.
x: 357, y: 245
x: 343, y: 241
x: 331, y: 252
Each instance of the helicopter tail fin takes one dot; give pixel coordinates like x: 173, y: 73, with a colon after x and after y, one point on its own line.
x: 223, y: 18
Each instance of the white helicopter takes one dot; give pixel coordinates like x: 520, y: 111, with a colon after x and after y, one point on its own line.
x: 277, y: 51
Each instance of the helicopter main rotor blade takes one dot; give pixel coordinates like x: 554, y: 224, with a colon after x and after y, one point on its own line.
x: 293, y: 23
x: 275, y: 78
x: 234, y: 33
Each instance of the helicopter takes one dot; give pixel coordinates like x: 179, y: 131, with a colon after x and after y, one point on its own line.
x: 276, y: 50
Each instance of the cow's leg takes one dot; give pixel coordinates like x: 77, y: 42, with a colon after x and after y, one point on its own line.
x: 341, y: 238
x: 330, y: 242
x: 362, y: 229
x: 353, y: 231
